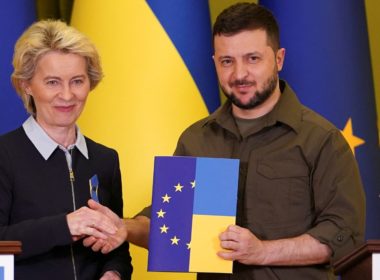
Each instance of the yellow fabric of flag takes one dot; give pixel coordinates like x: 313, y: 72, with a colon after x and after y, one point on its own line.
x: 147, y: 98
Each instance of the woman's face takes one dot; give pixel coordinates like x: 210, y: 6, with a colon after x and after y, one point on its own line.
x: 59, y: 87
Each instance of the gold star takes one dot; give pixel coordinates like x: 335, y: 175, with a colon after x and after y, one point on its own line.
x: 178, y: 188
x: 166, y: 198
x: 188, y: 245
x: 175, y: 240
x: 164, y: 229
x: 352, y: 140
x: 160, y: 214
x: 192, y: 184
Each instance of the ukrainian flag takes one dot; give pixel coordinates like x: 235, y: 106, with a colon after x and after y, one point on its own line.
x: 328, y: 64
x: 159, y: 79
x: 15, y: 17
x: 193, y: 201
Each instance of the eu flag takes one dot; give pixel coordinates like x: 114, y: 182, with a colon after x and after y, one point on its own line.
x: 328, y: 64
x: 1, y: 273
x: 15, y: 16
x: 193, y: 200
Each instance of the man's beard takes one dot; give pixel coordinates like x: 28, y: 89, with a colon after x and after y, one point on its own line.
x: 258, y: 98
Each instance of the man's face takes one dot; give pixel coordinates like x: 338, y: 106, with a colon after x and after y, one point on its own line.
x: 247, y: 67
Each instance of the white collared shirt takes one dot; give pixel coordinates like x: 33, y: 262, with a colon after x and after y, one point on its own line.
x: 45, y: 145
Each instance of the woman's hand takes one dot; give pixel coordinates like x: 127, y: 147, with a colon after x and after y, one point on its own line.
x: 88, y: 222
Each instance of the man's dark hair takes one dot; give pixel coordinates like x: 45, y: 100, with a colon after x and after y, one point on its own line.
x: 247, y: 16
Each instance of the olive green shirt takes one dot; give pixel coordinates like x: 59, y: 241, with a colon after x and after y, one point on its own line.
x: 297, y: 175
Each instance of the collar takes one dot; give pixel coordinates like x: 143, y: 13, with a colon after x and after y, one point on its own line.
x: 288, y: 110
x: 44, y: 144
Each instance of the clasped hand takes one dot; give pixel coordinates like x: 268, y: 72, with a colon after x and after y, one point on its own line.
x: 101, y: 229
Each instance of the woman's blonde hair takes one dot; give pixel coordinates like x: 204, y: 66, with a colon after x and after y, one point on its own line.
x: 45, y: 36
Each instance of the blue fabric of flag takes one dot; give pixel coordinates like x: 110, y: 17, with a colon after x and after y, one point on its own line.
x: 178, y: 213
x: 188, y: 25
x: 328, y: 65
x: 15, y: 16
x: 1, y: 273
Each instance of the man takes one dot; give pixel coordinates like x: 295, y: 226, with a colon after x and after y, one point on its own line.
x: 301, y: 203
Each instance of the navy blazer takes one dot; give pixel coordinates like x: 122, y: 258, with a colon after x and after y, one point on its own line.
x: 36, y: 196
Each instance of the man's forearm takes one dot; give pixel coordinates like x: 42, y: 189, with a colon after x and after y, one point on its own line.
x: 243, y: 246
x: 138, y: 231
x: 301, y: 250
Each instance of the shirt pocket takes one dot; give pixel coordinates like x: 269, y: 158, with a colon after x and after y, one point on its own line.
x: 278, y: 194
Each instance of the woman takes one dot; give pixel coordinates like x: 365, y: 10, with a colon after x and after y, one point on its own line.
x: 49, y: 170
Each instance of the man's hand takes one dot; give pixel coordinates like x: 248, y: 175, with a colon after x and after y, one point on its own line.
x: 112, y: 241
x: 242, y: 245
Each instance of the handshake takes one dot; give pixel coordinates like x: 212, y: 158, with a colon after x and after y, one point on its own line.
x: 99, y: 227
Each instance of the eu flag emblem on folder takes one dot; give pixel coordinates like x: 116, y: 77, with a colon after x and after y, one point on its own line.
x: 194, y: 199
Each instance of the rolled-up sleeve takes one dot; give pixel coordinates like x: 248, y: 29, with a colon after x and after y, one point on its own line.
x: 338, y: 196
